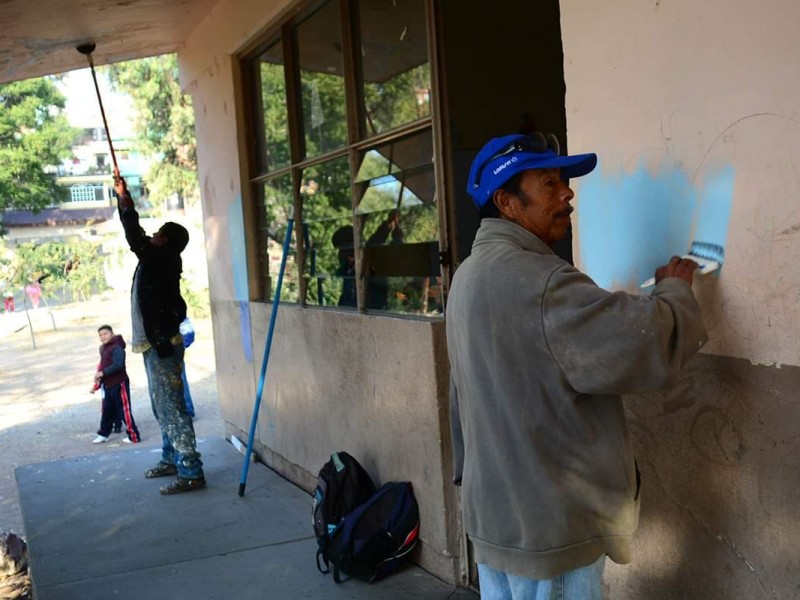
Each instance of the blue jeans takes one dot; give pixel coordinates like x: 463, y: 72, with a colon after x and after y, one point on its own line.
x: 585, y: 583
x: 178, y: 445
x: 187, y: 395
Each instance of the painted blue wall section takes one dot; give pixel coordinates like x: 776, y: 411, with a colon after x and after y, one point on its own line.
x: 239, y: 267
x: 238, y: 251
x: 244, y: 330
x: 631, y: 223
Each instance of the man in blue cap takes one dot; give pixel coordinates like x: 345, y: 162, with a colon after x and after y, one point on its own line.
x: 539, y: 357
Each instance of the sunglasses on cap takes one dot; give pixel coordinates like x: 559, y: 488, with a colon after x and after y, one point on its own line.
x: 535, y: 142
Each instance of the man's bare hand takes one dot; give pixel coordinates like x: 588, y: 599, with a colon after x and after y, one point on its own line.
x: 677, y: 266
x: 119, y: 183
x: 124, y: 199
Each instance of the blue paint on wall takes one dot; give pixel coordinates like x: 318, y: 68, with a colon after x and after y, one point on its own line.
x: 239, y: 268
x: 244, y: 330
x: 238, y: 250
x: 629, y: 224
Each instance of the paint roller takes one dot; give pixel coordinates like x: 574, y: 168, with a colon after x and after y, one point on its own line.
x: 87, y: 50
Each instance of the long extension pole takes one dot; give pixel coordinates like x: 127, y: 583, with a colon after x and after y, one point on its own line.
x: 276, y: 297
x: 87, y: 49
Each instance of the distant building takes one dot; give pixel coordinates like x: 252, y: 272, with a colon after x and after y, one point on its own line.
x: 88, y: 177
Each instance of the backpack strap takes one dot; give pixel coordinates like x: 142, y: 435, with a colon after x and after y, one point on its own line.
x: 327, y: 568
x: 336, y: 576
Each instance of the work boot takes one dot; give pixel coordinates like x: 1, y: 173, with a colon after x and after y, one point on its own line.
x: 181, y: 485
x: 161, y: 470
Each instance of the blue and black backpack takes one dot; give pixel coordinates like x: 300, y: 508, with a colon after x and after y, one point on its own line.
x: 371, y: 541
x: 342, y: 486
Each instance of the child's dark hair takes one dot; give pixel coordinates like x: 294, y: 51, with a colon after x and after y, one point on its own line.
x: 99, y: 329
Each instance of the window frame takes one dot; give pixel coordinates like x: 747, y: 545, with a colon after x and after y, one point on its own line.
x: 358, y: 141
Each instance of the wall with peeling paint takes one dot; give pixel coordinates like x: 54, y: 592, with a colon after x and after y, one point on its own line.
x: 692, y: 108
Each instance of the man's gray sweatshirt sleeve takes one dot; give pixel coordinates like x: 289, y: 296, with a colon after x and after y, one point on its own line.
x: 457, y: 436
x: 615, y: 343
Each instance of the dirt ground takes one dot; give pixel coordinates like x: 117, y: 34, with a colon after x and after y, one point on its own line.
x: 46, y: 410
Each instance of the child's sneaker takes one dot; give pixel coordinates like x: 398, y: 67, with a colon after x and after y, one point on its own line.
x: 100, y: 439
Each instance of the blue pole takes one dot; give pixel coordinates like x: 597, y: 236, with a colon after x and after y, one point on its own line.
x: 275, y: 302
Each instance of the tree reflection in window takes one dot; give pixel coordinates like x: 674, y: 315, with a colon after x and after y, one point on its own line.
x: 329, y: 269
x: 394, y: 57
x: 399, y: 223
x: 390, y: 200
x: 274, y: 217
x: 319, y: 47
x: 274, y: 120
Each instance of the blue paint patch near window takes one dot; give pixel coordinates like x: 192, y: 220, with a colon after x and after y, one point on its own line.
x: 629, y: 224
x: 244, y: 329
x: 238, y: 250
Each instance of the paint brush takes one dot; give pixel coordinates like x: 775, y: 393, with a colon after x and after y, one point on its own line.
x: 709, y: 257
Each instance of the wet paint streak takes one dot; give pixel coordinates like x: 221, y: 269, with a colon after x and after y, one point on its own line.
x: 238, y: 250
x: 630, y: 223
x: 239, y: 268
x: 245, y: 331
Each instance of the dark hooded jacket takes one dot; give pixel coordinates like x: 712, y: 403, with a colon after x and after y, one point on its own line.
x: 112, y: 361
x: 158, y: 290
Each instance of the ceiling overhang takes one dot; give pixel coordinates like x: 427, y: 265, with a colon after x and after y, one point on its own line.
x: 40, y: 37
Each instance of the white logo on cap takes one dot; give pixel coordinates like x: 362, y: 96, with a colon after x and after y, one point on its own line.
x: 509, y: 162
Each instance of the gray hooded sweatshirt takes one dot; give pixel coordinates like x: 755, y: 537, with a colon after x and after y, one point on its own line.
x: 539, y: 356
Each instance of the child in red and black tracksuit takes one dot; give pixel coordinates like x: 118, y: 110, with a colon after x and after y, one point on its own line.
x: 113, y: 378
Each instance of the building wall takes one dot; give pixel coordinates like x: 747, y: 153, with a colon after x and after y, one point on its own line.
x: 374, y: 386
x: 692, y: 109
x: 696, y: 128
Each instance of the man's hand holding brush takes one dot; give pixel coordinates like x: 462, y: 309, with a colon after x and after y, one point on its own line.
x: 680, y: 267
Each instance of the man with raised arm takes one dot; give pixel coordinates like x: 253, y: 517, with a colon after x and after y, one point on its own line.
x: 157, y: 310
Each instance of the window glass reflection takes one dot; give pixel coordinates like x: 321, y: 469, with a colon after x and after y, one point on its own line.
x: 394, y: 56
x: 274, y: 218
x: 399, y: 223
x: 274, y: 119
x: 319, y: 44
x: 328, y: 234
x: 387, y: 199
x: 398, y: 155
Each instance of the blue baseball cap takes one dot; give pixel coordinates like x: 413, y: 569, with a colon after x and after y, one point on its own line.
x: 502, y: 158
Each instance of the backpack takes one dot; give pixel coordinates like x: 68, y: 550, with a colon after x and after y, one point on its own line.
x: 371, y: 541
x: 342, y: 485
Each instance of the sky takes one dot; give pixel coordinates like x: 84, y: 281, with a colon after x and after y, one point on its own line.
x: 83, y: 110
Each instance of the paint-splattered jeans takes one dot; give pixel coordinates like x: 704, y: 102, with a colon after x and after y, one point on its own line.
x: 585, y: 583
x: 178, y: 446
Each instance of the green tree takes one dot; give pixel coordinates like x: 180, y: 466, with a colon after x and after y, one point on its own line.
x: 75, y: 270
x: 34, y: 134
x: 164, y: 123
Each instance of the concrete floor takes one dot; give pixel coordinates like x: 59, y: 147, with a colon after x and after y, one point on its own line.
x: 46, y: 410
x: 98, y: 529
